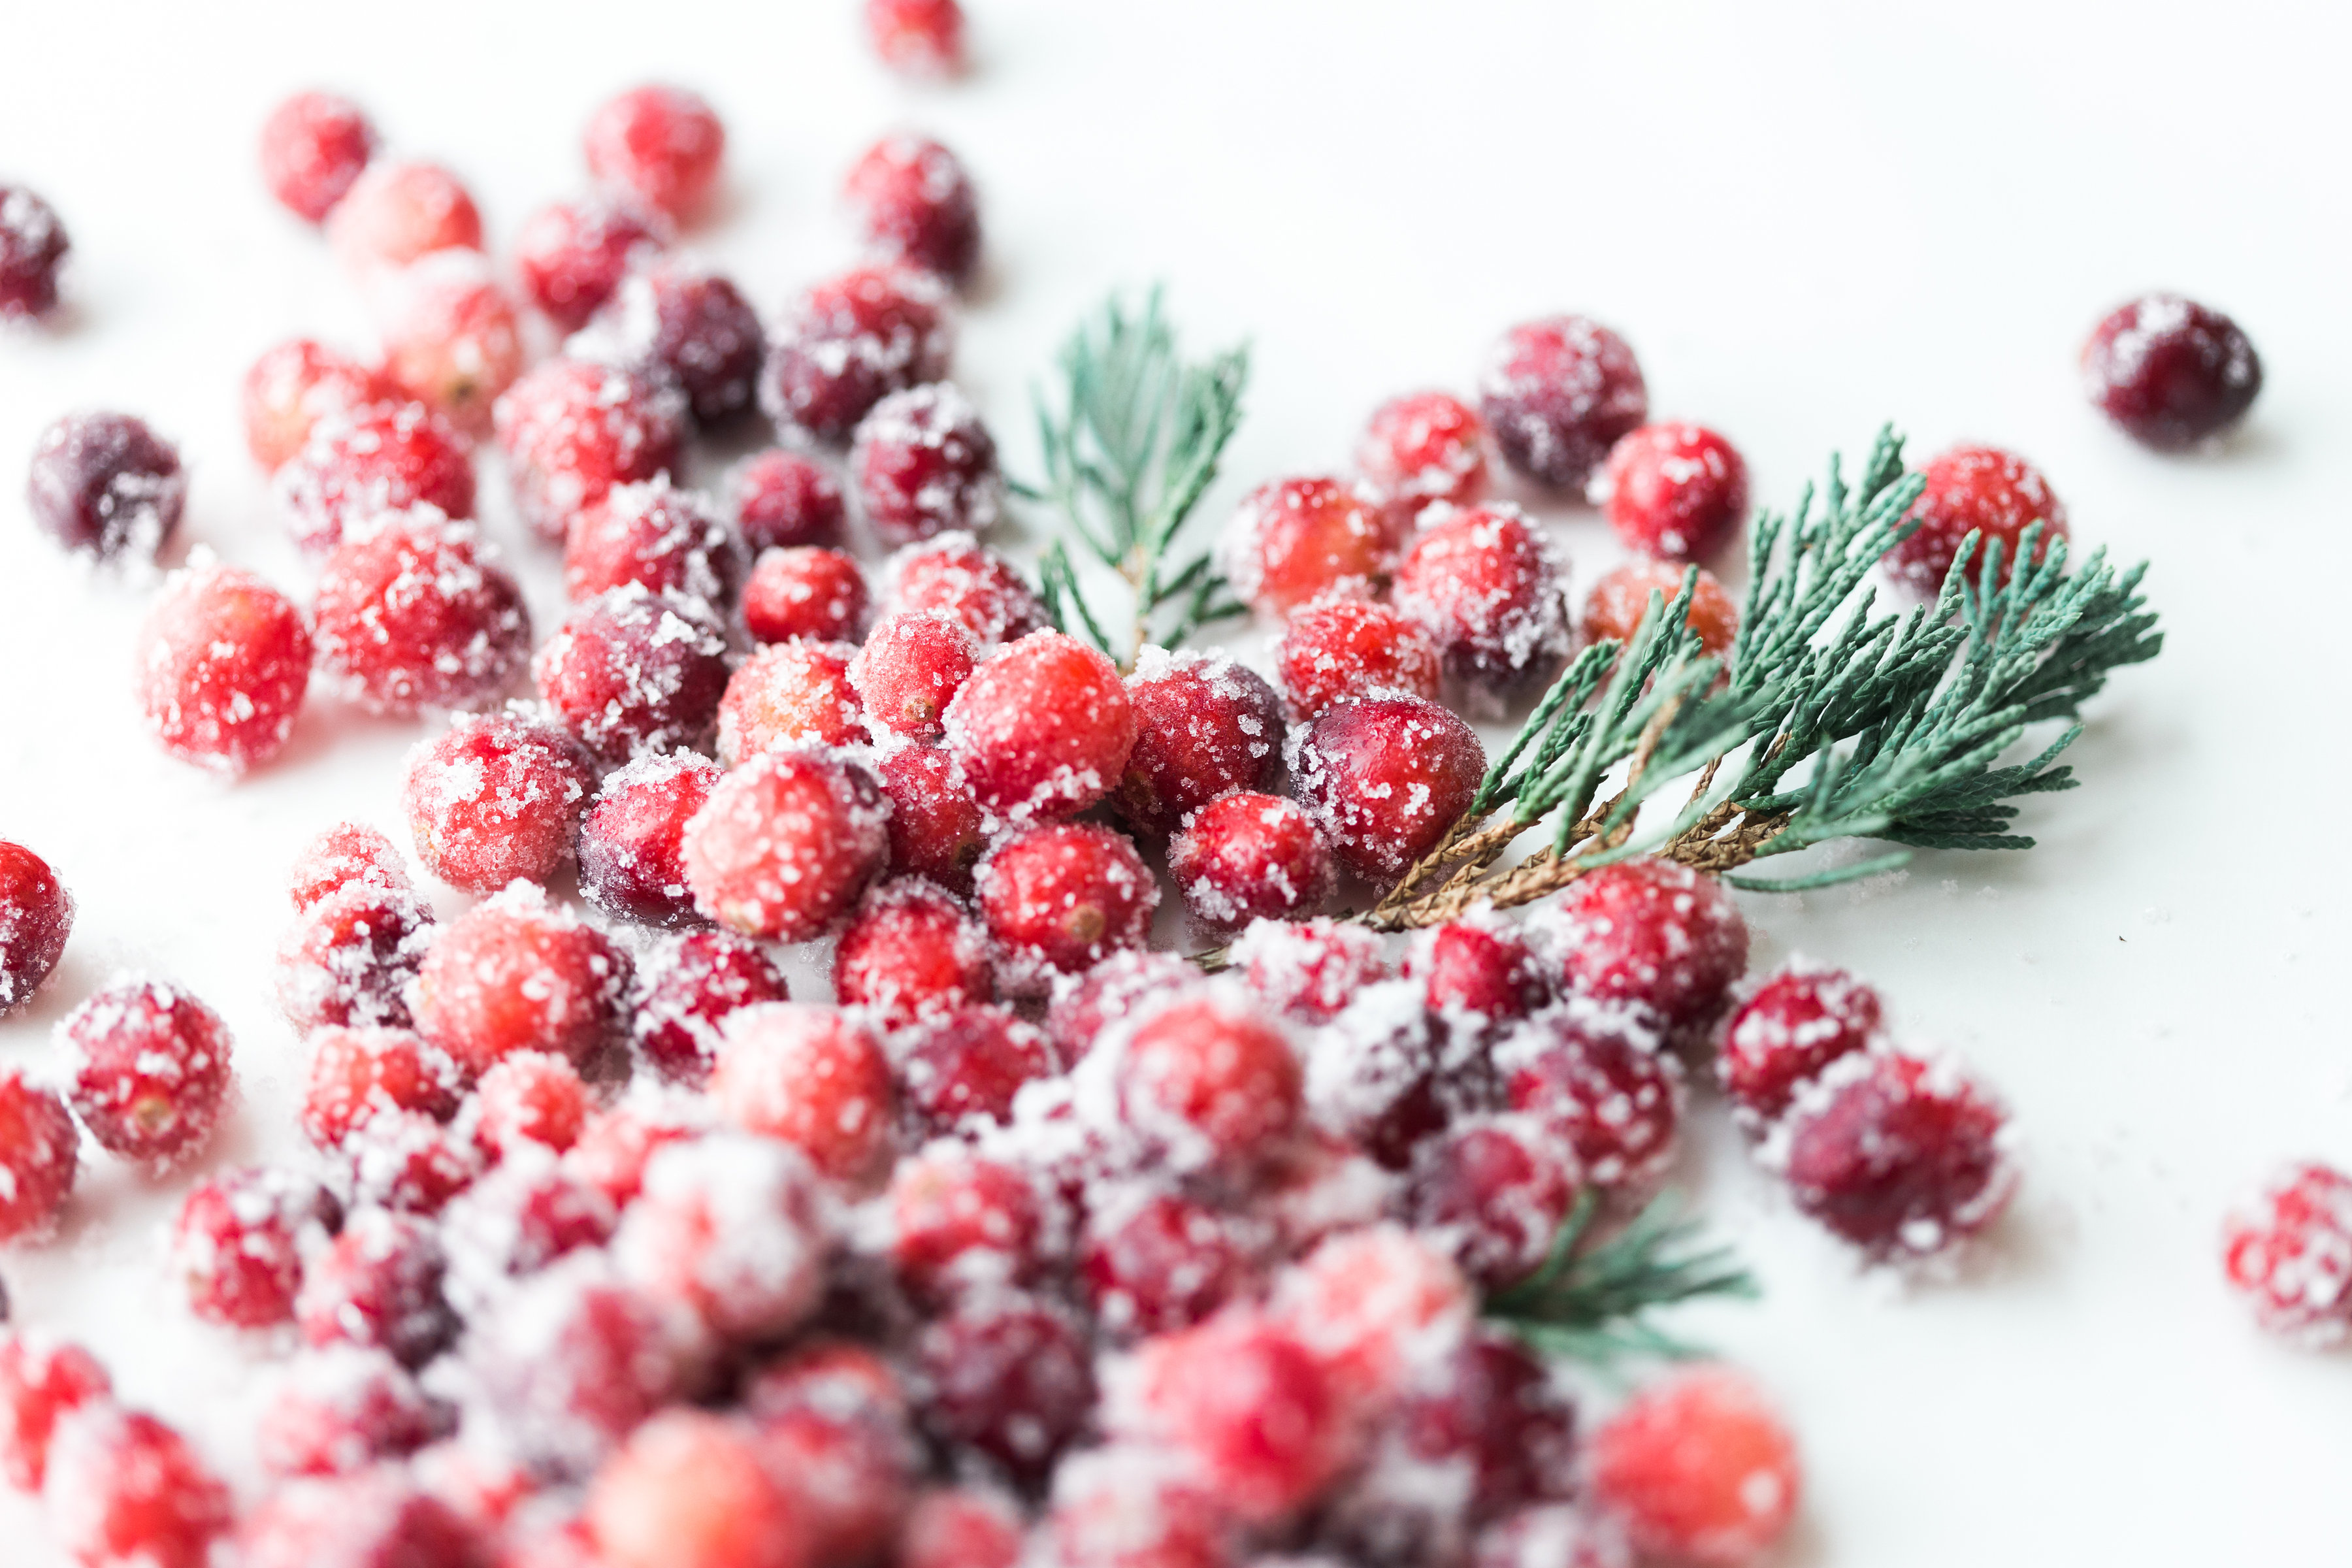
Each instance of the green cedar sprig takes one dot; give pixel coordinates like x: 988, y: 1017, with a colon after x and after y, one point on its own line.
x: 1592, y: 1303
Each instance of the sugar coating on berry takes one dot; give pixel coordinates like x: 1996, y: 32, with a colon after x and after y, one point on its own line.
x: 348, y: 959
x: 631, y: 841
x: 408, y: 1163
x: 33, y: 245
x: 356, y: 1074
x: 1994, y: 494
x: 348, y: 852
x: 1382, y: 1074
x: 660, y: 144
x: 515, y: 973
x: 926, y: 465
x: 223, y: 662
x: 1043, y: 728
x: 1478, y: 969
x: 1421, y: 447
x: 1205, y: 726
x: 1494, y: 1410
x: 418, y: 613
x: 937, y: 829
x: 1673, y: 492
x: 451, y: 336
x: 572, y: 254
x: 918, y: 37
x: 376, y: 458
x: 1493, y: 1191
x: 239, y: 1241
x: 2288, y: 1251
x: 1647, y: 932
x: 36, y: 915
x: 961, y: 1527
x: 650, y: 533
x: 614, y: 1148
x: 686, y: 987
x: 1375, y: 1303
x: 909, y: 667
x: 1059, y: 899
x: 632, y: 671
x: 339, y: 1410
x: 691, y: 1490
x: 571, y: 1360
x: 963, y: 1069
x: 1210, y: 1083
x: 1593, y: 1073
x: 957, y: 574
x: 2171, y: 371
x: 105, y: 486
x: 495, y: 799
x: 912, y: 949
x: 398, y: 210
x: 296, y: 384
x: 151, y: 1069
x: 1555, y: 1535
x: 1699, y: 1468
x: 688, y: 325
x: 529, y: 1096
x: 1246, y: 857
x: 1344, y: 646
x: 40, y: 1155
x: 788, y: 841
x: 571, y: 429
x: 1614, y: 608
x: 915, y: 205
x: 1291, y: 541
x: 1160, y: 1264
x: 1384, y: 777
x: 1308, y: 969
x: 123, y: 1488
x: 1489, y: 589
x: 1787, y: 1028
x: 731, y: 1226
x: 1115, y: 990
x: 533, y: 1208
x: 783, y: 499
x: 790, y: 693
x: 42, y: 1380
x: 850, y: 341
x: 961, y: 1222
x: 1558, y: 394
x: 804, y: 591
x: 814, y: 1076
x: 1007, y: 1376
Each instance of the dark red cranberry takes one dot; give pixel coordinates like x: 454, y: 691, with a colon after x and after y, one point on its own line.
x: 916, y: 205
x: 912, y: 950
x: 1292, y: 540
x: 785, y: 500
x: 661, y: 145
x: 1478, y: 968
x: 631, y: 864
x: 660, y: 538
x: 1210, y: 1083
x: 1595, y: 1078
x: 1008, y: 1377
x: 348, y: 958
x: 32, y: 245
x: 313, y: 145
x: 380, y: 1286
x: 378, y: 458
x: 398, y: 211
x: 36, y: 915
x: 789, y: 840
x: 40, y: 1153
x: 1205, y: 726
x: 41, y: 1382
x: 573, y: 429
x: 918, y: 37
x: 515, y: 973
x: 1245, y: 857
x: 418, y: 613
x: 1384, y: 777
x: 1486, y: 586
x: 926, y: 465
x: 1343, y: 647
x: 2171, y: 371
x: 353, y: 1074
x: 151, y: 1069
x: 238, y: 1245
x: 791, y: 692
x: 1994, y: 494
x: 909, y: 669
x: 103, y: 485
x: 687, y: 988
x: 1309, y: 970
x: 1165, y: 1264
x: 1116, y: 989
x: 295, y: 385
x: 452, y: 339
x: 961, y: 1222
x: 131, y: 1491
x: 583, y: 1358
x: 935, y: 825
x: 1058, y: 898
x: 2289, y: 1253
x: 694, y: 325
x: 1558, y: 394
x: 1494, y: 1191
x: 804, y: 591
x: 1650, y: 932
x: 1042, y: 729
x: 975, y: 585
x: 223, y: 662
x: 850, y: 341
x: 338, y: 1411
x: 1614, y: 608
x: 1495, y: 1405
x: 494, y: 799
x: 572, y: 255
x: 1900, y: 1156
x: 1803, y: 1018
x: 1422, y: 448
x: 966, y: 1067
x: 632, y: 671
x: 1675, y: 491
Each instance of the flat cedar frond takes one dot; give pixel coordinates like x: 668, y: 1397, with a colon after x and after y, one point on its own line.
x: 1590, y: 1302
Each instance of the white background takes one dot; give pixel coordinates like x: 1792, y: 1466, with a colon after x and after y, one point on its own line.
x: 1806, y: 219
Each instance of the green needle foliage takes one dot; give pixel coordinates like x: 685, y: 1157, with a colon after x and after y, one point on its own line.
x: 1590, y: 1302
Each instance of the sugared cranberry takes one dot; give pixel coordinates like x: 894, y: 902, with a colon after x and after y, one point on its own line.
x: 1259, y: 1418
x: 494, y: 799
x: 127, y: 1491
x: 379, y: 1286
x: 1383, y: 1073
x: 1008, y: 1376
x: 1309, y: 970
x: 728, y: 1226
x: 926, y: 465
x: 1901, y: 1156
x: 661, y: 145
x: 790, y: 692
x: 1205, y: 726
x: 1614, y: 608
x: 576, y: 1360
x: 373, y: 1519
x: 918, y: 37
x: 397, y: 211
x: 1115, y: 989
x: 1060, y: 898
x: 1648, y: 932
x: 572, y: 255
x: 1479, y: 968
x: 961, y: 1222
x: 911, y: 949
x: 1372, y: 1302
x: 223, y: 660
x: 339, y: 1410
x: 1343, y: 647
x: 35, y: 916
x: 374, y: 459
x: 692, y: 1491
x: 1132, y: 1507
x: 41, y: 1381
x: 1494, y: 1190
x: 936, y: 830
x: 573, y: 429
x: 694, y: 326
x: 1982, y: 490
x: 523, y: 1216
x: 786, y: 843
x: 1162, y: 1265
x: 804, y: 591
x: 1485, y: 586
x: 965, y: 1066
x: 348, y: 959
x: 1558, y: 394
x: 39, y: 1152
x: 631, y: 861
x: 1699, y: 1468
x: 354, y: 1074
x: 529, y: 1097
x: 616, y: 1146
x: 1042, y: 729
x: 812, y: 1075
x: 418, y: 613
x: 151, y: 1069
x: 785, y: 500
x: 1292, y: 540
x: 238, y: 1245
x: 687, y: 988
x: 1493, y: 1403
x: 909, y: 667
x: 632, y: 671
x: 961, y: 1527
x: 1210, y: 1083
x: 32, y: 245
x: 915, y: 205
x: 451, y: 339
x: 2289, y: 1253
x: 1384, y: 777
x: 1675, y: 491
x: 296, y: 384
x: 852, y: 341
x: 1245, y: 857
x: 104, y: 485
x: 2171, y: 373
x: 1421, y: 447
x: 518, y: 974
x: 850, y: 1469
x: 1595, y: 1077
x: 1554, y: 1535
x: 970, y: 582
x: 1800, y: 1018
x: 409, y: 1162
x: 346, y: 853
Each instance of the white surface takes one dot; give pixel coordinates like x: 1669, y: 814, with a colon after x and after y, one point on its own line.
x: 1805, y: 219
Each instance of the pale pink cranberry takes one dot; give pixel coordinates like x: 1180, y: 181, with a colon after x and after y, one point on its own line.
x: 296, y: 384
x: 409, y: 1163
x: 1651, y: 933
x: 1043, y: 728
x: 1384, y: 777
x: 1675, y: 491
x: 1245, y: 857
x: 1488, y: 589
x: 41, y: 1382
x: 687, y: 987
x: 916, y: 205
x: 494, y: 799
x: 1344, y: 647
x: 1699, y: 1468
x: 1372, y: 1302
x: 1552, y: 1535
x: 418, y: 613
x: 398, y: 210
x: 1995, y: 495
x: 786, y: 843
x: 451, y: 339
x: 572, y: 255
x: 223, y: 662
x: 125, y: 1490
x: 1421, y: 447
x: 1060, y: 898
x: 661, y: 145
x: 1558, y: 394
x: 814, y: 1077
x: 911, y: 949
x: 342, y: 1409
x: 515, y: 973
x: 961, y: 1527
x: 1118, y: 988
x: 851, y: 340
x: 918, y: 37
x: 377, y: 1516
x: 151, y: 1071
x: 39, y: 1154
x: 1205, y: 726
x: 785, y: 500
x: 1129, y: 1506
x: 691, y: 1490
x: 729, y: 1226
x: 1210, y: 1083
x: 378, y: 458
x: 2289, y: 1253
x: 613, y: 1150
x: 36, y: 915
x: 1292, y: 540
x: 238, y: 1245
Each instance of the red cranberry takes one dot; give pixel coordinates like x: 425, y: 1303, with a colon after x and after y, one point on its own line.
x: 1007, y: 1376
x: 1495, y: 1191
x: 909, y: 669
x: 785, y: 501
x: 1614, y: 608
x: 791, y: 692
x: 1246, y: 858
x: 961, y: 1222
x: 346, y: 853
x: 813, y: 1077
x: 517, y: 973
x: 1495, y: 1405
x: 32, y: 245
x: 973, y: 584
x: 786, y: 843
x: 41, y: 1382
x: 1060, y: 898
x: 409, y: 1163
x: 1558, y: 394
x: 916, y: 205
x: 419, y: 612
x: 2289, y: 1253
x: 39, y: 1152
x: 1343, y: 647
x: 494, y: 799
x: 926, y: 465
x: 102, y: 485
x: 1292, y: 540
x: 1487, y: 588
x: 1900, y: 1156
x: 961, y: 1527
x: 529, y: 1097
x: 1384, y: 777
x: 1421, y: 447
x: 571, y: 430
x: 2169, y: 371
x: 1982, y: 490
x: 1477, y: 967
x: 379, y: 1286
x: 397, y: 211
x: 1116, y: 988
x: 965, y: 1066
x: 151, y: 1069
x: 616, y: 1146
x: 935, y: 825
x: 694, y: 325
x: 731, y: 1228
x: 918, y: 37
x: 1803, y: 1018
x: 378, y: 458
x: 1594, y: 1075
x: 1309, y: 970
x: 660, y: 145
x: 1131, y: 1507
x: 348, y: 959
x: 1210, y: 1083
x: 1675, y: 491
x: 371, y: 1520
x: 572, y: 255
x: 911, y: 949
x: 686, y: 989
x: 451, y: 338
x: 1205, y: 726
x: 1699, y: 1468
x: 804, y: 591
x: 1043, y: 728
x: 850, y: 341
x: 579, y: 1359
x: 521, y: 1217
x: 295, y: 385
x: 692, y: 1490
x: 632, y: 860
x: 125, y: 1488
x: 1163, y: 1265
x: 236, y: 1246
x: 1651, y: 933
x: 354, y: 1074
x: 632, y: 671
x: 224, y: 659
x: 1372, y: 1301
x: 850, y: 1471
x: 1259, y: 1418
x: 36, y: 915
x: 1381, y: 1073
x: 341, y: 1410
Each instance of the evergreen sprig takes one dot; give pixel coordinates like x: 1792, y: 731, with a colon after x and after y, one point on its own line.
x: 1131, y: 442
x: 1590, y: 1303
